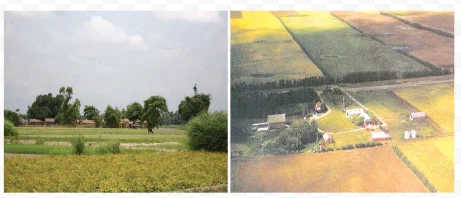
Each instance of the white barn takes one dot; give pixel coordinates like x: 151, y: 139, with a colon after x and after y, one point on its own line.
x: 352, y: 112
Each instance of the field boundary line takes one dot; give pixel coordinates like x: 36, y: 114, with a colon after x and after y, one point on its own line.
x: 418, y: 25
x: 326, y: 74
x: 355, y: 28
x: 428, y: 119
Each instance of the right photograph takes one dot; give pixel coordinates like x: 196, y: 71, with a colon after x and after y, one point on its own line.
x: 342, y: 101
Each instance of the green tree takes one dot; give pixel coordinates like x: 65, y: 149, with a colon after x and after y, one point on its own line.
x: 45, y: 106
x: 70, y: 112
x: 123, y: 113
x: 133, y: 111
x: 12, y: 116
x: 112, y: 117
x: 192, y: 106
x: 91, y: 113
x: 153, y: 109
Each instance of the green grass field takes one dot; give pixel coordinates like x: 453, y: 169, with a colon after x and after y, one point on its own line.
x: 435, y: 159
x: 339, y: 49
x: 336, y: 120
x: 393, y: 113
x: 436, y: 101
x: 262, y: 50
x: 144, y: 172
x: 344, y: 139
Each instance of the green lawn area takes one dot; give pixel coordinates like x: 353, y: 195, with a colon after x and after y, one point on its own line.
x: 336, y: 120
x: 436, y: 101
x: 393, y: 113
x: 343, y: 139
x: 339, y: 49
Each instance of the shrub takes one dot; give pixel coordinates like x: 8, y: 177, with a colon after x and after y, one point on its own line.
x: 78, y: 145
x: 208, y: 131
x: 9, y: 129
x: 111, y: 147
x: 12, y: 116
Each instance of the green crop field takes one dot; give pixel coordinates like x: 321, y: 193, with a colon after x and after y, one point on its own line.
x: 393, y: 113
x: 436, y: 101
x: 145, y: 172
x: 435, y: 159
x: 262, y: 50
x: 339, y: 49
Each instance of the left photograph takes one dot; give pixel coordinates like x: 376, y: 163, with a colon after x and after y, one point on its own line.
x: 116, y: 101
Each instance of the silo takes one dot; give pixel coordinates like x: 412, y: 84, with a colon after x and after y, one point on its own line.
x: 407, y: 135
x: 413, y: 134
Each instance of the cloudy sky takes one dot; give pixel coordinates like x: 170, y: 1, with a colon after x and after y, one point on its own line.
x: 115, y: 57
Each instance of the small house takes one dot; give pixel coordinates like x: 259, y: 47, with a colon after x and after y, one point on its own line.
x: 417, y: 116
x: 327, y: 138
x: 319, y: 106
x: 22, y: 121
x: 379, y: 136
x: 49, y: 122
x: 276, y: 121
x: 413, y: 134
x: 352, y: 112
x: 125, y: 123
x: 35, y: 122
x: 88, y: 123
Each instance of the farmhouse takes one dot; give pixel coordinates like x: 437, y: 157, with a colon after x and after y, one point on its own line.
x: 35, y: 122
x: 88, y: 123
x: 319, y: 106
x: 276, y: 121
x: 417, y: 116
x: 379, y: 136
x: 22, y: 121
x: 49, y: 122
x: 327, y: 138
x: 125, y: 123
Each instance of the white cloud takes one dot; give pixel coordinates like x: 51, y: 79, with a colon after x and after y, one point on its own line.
x: 203, y: 17
x: 98, y: 29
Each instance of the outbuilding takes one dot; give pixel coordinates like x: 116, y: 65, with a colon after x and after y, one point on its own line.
x: 417, y: 116
x: 413, y: 134
x: 35, y: 122
x: 327, y: 138
x: 276, y: 121
x: 407, y: 135
x: 379, y: 136
x: 49, y: 121
x: 88, y: 123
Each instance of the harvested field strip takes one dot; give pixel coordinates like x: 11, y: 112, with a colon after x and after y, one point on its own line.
x: 339, y: 50
x: 131, y: 139
x: 442, y: 20
x: 357, y: 170
x: 262, y: 50
x: 419, y: 25
x: 425, y: 45
x: 393, y: 113
x: 146, y: 172
x: 95, y: 131
x: 437, y: 102
x: 434, y: 158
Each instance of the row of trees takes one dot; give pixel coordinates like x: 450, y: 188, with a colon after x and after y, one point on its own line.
x: 154, y: 110
x: 353, y: 77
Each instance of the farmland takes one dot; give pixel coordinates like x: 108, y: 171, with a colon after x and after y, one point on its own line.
x: 395, y: 114
x: 262, y: 50
x: 148, y: 172
x: 435, y: 159
x: 339, y: 49
x: 358, y: 170
x: 437, y: 102
x: 437, y: 50
x: 146, y: 163
x: 442, y: 20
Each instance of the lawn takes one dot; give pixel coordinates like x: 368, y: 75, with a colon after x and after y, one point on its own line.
x: 344, y: 139
x: 262, y: 50
x: 435, y: 159
x: 145, y: 172
x: 395, y: 114
x: 336, y: 120
x: 436, y: 101
x: 339, y: 49
x: 375, y: 169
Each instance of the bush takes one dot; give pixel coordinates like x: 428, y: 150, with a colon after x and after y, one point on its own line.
x: 208, y: 131
x: 12, y: 116
x: 9, y: 129
x: 78, y: 145
x: 111, y: 147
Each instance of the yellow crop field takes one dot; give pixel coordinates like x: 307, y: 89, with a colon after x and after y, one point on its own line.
x: 436, y: 101
x: 435, y: 159
x: 262, y: 50
x: 147, y: 172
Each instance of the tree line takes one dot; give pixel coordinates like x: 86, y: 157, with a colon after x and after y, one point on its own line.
x: 353, y: 77
x: 154, y: 110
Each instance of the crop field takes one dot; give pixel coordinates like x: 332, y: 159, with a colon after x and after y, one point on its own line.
x: 375, y: 169
x: 442, y: 20
x: 395, y: 114
x: 436, y: 101
x: 148, y: 172
x: 339, y: 49
x: 262, y: 50
x: 435, y: 159
x: 344, y: 139
x: 425, y: 45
